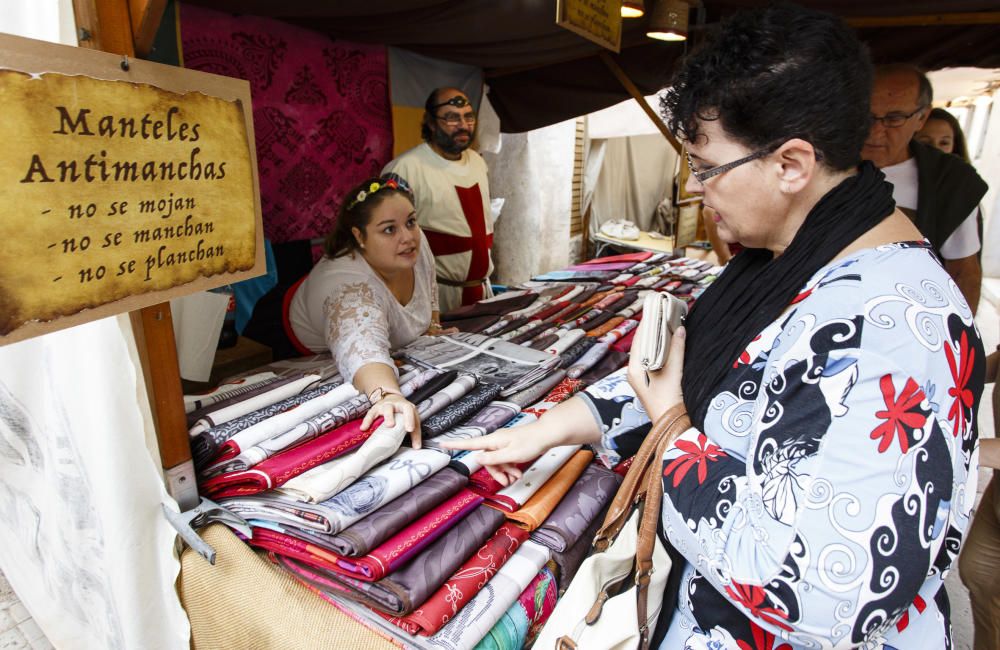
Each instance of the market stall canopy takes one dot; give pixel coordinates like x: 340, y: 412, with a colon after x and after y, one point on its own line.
x: 540, y: 73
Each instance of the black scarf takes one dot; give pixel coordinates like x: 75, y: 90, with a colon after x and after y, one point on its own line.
x: 756, y: 289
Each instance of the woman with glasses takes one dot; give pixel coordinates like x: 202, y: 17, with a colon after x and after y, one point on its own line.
x: 452, y: 197
x: 373, y: 291
x: 831, y: 373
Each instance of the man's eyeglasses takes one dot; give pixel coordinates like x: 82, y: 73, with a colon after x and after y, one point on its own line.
x: 895, y: 120
x: 454, y: 119
x: 721, y: 169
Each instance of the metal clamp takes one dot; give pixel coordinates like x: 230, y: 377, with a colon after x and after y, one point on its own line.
x: 205, y: 513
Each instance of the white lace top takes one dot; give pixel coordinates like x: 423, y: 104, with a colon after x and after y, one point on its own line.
x: 344, y: 306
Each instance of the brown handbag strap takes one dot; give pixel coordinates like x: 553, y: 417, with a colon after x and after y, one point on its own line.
x: 648, y: 524
x: 633, y: 488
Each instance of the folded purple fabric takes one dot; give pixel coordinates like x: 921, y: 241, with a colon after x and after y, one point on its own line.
x: 474, y: 323
x: 400, y: 592
x: 492, y: 307
x: 569, y: 561
x: 543, y: 342
x: 591, y: 493
x: 363, y: 536
x: 612, y: 361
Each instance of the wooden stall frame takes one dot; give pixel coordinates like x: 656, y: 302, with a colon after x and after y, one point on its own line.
x: 126, y: 27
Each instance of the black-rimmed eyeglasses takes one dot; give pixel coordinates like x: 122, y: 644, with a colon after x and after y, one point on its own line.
x: 895, y: 120
x: 454, y: 119
x: 721, y: 169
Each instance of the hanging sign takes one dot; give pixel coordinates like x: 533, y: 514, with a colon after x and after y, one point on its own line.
x: 597, y: 20
x: 122, y: 184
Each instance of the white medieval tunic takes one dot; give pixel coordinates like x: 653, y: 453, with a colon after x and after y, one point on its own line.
x: 344, y: 306
x: 452, y: 199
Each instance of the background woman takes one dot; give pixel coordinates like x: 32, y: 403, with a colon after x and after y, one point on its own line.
x: 832, y: 373
x: 942, y: 131
x: 372, y: 292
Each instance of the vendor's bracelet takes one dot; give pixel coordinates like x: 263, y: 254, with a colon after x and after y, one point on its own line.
x: 380, y: 394
x: 435, y: 325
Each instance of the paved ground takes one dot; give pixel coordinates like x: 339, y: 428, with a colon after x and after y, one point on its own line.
x: 18, y: 631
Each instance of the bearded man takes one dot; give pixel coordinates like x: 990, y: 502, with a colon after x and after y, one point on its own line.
x: 452, y: 197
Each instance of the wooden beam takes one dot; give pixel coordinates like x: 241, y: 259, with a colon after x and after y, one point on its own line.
x: 108, y: 27
x: 104, y: 25
x: 927, y: 20
x: 633, y: 90
x: 146, y: 17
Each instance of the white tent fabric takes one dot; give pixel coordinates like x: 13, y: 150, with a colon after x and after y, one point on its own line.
x: 623, y: 120
x: 636, y: 173
x: 84, y: 542
x: 533, y: 173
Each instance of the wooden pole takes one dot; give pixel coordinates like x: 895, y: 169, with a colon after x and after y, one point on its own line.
x: 633, y: 90
x: 927, y: 20
x: 107, y: 25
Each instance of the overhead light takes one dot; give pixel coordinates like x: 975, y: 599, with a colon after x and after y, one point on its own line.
x: 633, y: 8
x: 669, y: 21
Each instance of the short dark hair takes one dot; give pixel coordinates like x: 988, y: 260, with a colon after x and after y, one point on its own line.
x: 354, y: 213
x: 925, y: 91
x: 770, y: 75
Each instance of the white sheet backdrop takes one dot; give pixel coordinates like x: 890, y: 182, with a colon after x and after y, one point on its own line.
x: 83, y: 542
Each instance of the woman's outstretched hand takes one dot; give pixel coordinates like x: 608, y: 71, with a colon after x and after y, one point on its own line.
x: 663, y: 389
x: 501, y: 451
x: 393, y: 406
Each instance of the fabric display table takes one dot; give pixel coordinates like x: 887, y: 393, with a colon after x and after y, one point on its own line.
x: 420, y: 548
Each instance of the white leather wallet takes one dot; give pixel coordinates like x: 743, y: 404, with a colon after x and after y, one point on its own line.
x: 662, y: 314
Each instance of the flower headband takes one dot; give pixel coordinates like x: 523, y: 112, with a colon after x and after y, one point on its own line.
x: 391, y: 181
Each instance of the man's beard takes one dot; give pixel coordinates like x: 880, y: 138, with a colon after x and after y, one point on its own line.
x: 447, y: 142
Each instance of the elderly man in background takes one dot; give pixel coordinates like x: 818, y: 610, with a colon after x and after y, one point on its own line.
x: 939, y: 192
x: 452, y: 193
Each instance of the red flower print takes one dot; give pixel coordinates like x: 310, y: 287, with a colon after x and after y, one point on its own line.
x: 762, y: 640
x: 745, y: 355
x: 904, y: 620
x: 754, y: 599
x: 693, y: 455
x: 961, y: 372
x: 899, y: 415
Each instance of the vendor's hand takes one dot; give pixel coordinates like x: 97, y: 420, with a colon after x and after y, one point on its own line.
x: 664, y: 388
x: 390, y: 407
x: 502, y: 450
x: 435, y: 329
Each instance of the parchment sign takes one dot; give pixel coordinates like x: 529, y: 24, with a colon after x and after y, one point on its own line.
x: 115, y: 190
x: 597, y: 20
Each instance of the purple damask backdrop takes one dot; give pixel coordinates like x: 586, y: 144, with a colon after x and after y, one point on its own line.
x: 320, y: 109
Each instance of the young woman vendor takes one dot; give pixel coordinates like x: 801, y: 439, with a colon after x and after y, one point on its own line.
x: 373, y: 291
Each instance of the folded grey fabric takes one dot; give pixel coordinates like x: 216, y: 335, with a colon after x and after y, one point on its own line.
x: 460, y: 410
x: 205, y: 445
x: 537, y: 391
x: 432, y: 386
x: 575, y: 351
x: 360, y: 538
x: 493, y: 416
x: 588, y: 497
x: 239, y: 395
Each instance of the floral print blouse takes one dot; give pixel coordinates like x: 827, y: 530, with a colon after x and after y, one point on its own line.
x: 827, y: 497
